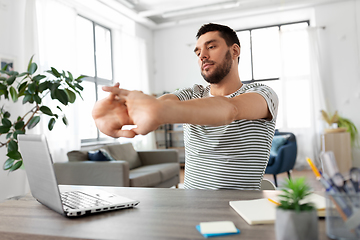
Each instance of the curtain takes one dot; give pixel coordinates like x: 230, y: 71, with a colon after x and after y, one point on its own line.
x: 301, y: 90
x: 56, y: 38
x: 133, y: 75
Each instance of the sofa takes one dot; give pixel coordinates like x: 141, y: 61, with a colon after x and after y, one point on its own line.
x: 121, y: 166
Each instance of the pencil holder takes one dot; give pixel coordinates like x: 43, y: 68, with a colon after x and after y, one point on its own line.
x: 343, y: 216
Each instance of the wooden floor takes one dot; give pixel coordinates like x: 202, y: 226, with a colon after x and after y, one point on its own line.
x: 308, y: 174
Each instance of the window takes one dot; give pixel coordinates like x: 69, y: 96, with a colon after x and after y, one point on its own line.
x: 278, y: 56
x: 94, y: 51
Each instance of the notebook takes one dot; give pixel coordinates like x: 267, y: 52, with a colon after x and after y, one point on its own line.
x: 43, y: 185
x: 262, y: 211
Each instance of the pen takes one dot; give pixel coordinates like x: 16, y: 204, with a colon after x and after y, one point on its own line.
x: 341, y: 205
x: 274, y: 201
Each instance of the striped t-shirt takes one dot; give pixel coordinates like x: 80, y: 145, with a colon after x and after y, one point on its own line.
x: 231, y: 156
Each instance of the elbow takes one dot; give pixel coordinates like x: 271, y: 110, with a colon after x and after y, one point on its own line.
x: 232, y: 113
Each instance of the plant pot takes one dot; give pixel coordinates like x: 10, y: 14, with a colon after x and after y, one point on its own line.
x: 296, y: 225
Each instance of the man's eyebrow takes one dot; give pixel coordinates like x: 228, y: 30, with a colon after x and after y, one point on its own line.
x: 206, y: 43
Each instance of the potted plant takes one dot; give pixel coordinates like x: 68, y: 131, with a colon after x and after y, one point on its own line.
x: 296, y: 219
x: 32, y: 89
x: 340, y: 124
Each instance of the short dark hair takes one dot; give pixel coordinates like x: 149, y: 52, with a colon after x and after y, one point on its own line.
x: 228, y: 34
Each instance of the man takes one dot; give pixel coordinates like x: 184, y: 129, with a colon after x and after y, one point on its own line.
x: 228, y: 125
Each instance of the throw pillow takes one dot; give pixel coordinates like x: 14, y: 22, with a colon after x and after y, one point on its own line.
x: 97, y: 156
x: 107, y: 155
x: 277, y: 142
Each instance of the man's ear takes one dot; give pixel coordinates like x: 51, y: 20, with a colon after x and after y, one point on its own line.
x: 236, y: 50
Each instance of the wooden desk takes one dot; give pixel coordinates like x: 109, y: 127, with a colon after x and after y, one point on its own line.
x: 161, y: 214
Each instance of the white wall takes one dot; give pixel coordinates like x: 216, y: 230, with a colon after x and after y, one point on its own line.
x: 176, y: 65
x: 11, y: 41
x: 14, y: 44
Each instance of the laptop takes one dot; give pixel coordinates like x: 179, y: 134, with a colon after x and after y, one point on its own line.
x: 43, y: 185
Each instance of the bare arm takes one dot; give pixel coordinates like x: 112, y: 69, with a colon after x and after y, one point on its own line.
x: 148, y: 113
x: 215, y: 110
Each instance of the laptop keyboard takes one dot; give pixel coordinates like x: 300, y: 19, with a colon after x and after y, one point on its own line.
x: 79, y: 200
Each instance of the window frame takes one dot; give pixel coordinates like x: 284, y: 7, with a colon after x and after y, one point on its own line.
x: 251, y: 48
x: 98, y: 81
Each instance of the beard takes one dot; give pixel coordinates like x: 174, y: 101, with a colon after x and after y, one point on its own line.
x: 220, y: 72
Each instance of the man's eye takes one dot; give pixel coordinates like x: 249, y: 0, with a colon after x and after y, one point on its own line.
x: 211, y: 47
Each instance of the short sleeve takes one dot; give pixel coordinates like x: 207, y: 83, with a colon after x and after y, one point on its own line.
x: 270, y: 97
x: 197, y: 91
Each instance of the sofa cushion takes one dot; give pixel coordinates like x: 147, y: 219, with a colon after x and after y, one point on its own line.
x: 76, y: 156
x: 167, y: 170
x: 124, y: 152
x: 144, y: 178
x: 154, y: 174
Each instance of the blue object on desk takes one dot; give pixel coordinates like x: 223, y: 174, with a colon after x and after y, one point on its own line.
x: 216, y: 234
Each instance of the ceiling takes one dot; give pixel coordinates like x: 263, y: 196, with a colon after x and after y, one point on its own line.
x: 157, y: 13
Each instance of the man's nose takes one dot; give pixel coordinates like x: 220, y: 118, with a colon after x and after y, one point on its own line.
x: 203, y: 55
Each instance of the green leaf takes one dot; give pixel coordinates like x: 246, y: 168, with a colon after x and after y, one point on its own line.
x: 61, y: 96
x: 33, y: 122
x: 9, y: 135
x: 37, y: 78
x: 13, y: 94
x: 19, y: 125
x: 55, y: 72
x: 32, y: 68
x: 16, y: 166
x: 23, y: 74
x: 3, y: 87
x: 37, y: 99
x: 22, y: 88
x: 79, y: 86
x: 51, y: 124
x: 27, y: 98
x: 13, y: 73
x: 7, y: 115
x: 4, y: 129
x: 46, y: 110
x: 58, y: 108
x: 71, y: 95
x: 30, y: 62
x: 5, y: 93
x: 6, y: 123
x: 8, y: 164
x: 13, y: 146
x: 70, y: 76
x: 10, y: 80
x: 65, y: 121
x: 14, y: 155
x: 32, y: 87
x: 4, y: 68
x: 78, y: 79
x: 43, y: 86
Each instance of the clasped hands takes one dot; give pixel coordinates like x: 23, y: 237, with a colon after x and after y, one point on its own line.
x: 123, y: 107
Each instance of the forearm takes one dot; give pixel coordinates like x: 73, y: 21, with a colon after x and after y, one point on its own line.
x: 213, y: 111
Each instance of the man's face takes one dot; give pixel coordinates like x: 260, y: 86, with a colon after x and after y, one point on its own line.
x: 214, y: 55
